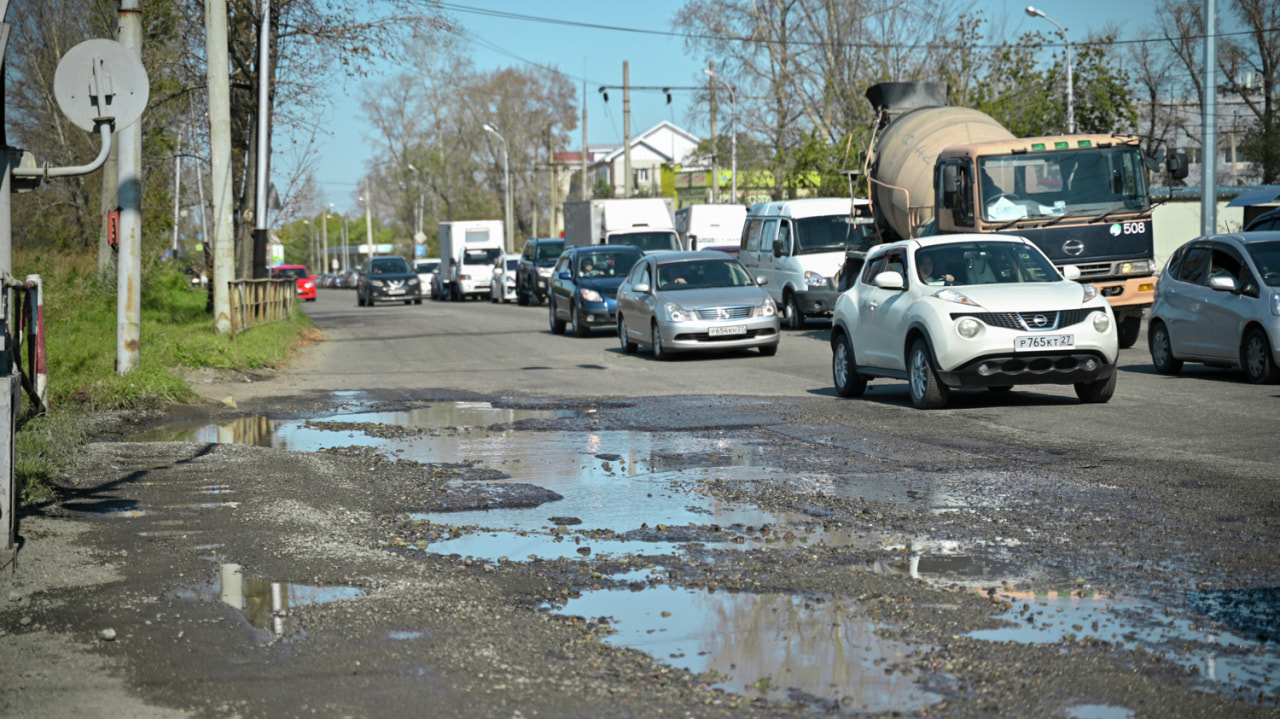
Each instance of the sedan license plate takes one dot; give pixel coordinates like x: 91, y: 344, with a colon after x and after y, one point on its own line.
x: 726, y: 331
x: 1043, y: 342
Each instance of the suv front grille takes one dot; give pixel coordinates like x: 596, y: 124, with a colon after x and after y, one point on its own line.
x: 1026, y: 321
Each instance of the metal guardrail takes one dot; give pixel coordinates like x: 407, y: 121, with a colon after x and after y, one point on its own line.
x: 258, y: 302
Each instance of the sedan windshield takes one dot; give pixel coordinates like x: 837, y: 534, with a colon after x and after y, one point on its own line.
x: 702, y: 274
x: 982, y: 263
x: 1266, y: 256
x: 298, y: 272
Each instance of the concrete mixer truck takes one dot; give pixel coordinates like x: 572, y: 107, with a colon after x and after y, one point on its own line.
x: 1082, y: 199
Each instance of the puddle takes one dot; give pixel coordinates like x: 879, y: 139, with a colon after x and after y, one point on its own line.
x: 772, y: 646
x: 1100, y: 711
x: 265, y: 605
x: 1204, y: 651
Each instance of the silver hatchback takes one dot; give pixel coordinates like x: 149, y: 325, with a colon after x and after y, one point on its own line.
x: 1218, y: 303
x: 694, y: 301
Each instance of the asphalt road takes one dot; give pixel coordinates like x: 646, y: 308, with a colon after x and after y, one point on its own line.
x: 1205, y: 415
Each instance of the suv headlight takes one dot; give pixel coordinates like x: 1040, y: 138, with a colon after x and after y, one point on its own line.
x: 1101, y: 323
x: 1090, y: 292
x: 953, y: 296
x: 676, y: 313
x: 968, y: 327
x: 545, y: 271
x: 413, y: 282
x: 590, y: 295
x: 376, y: 283
x: 813, y: 279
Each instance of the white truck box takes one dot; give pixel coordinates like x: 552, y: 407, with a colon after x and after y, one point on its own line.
x: 646, y: 222
x: 702, y: 226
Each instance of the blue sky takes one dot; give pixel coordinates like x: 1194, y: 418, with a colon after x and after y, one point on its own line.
x: 596, y: 55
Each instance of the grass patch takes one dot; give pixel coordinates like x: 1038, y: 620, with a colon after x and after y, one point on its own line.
x: 80, y: 336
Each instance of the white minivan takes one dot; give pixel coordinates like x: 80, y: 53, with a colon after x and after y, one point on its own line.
x: 797, y: 246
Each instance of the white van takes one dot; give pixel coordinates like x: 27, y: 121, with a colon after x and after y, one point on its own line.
x: 797, y: 246
x: 710, y: 226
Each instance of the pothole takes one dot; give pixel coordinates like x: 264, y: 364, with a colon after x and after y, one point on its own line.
x: 265, y: 605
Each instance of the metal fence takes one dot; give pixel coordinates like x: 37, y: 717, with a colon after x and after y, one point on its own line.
x: 22, y: 367
x: 257, y: 302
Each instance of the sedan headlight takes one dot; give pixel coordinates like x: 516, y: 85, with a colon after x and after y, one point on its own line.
x: 376, y: 283
x: 590, y: 295
x: 768, y: 309
x: 1089, y: 292
x: 1101, y: 322
x: 968, y: 327
x: 813, y: 279
x: 676, y: 313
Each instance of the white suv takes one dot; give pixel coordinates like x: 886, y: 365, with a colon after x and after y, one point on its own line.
x: 962, y: 311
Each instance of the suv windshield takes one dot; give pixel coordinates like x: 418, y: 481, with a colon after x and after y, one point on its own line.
x: 388, y: 266
x: 982, y: 263
x: 548, y: 252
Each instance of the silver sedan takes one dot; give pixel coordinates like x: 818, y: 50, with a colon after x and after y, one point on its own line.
x: 694, y: 301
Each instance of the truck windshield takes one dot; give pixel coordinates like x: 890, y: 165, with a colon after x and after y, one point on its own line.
x: 1082, y: 181
x: 481, y: 257
x: 832, y: 233
x: 648, y: 241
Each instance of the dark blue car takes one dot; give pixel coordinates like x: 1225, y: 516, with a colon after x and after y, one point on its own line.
x: 584, y: 286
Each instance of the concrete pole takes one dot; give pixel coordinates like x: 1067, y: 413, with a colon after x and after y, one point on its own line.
x: 261, y: 204
x: 110, y: 198
x: 1209, y: 114
x: 129, y: 270
x: 586, y: 191
x: 177, y: 198
x: 324, y: 242
x: 715, y: 176
x: 219, y: 79
x: 368, y: 217
x: 628, y: 182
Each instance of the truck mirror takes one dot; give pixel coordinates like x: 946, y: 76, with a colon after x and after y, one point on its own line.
x: 950, y: 184
x: 1177, y: 164
x: 779, y: 247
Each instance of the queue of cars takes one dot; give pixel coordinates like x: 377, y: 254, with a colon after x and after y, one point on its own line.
x: 943, y: 313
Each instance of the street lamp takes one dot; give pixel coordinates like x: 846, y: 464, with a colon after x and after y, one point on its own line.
x: 1071, y: 114
x: 422, y: 193
x: 506, y: 175
x: 733, y: 139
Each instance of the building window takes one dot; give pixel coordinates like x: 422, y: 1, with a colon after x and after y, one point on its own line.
x: 642, y: 177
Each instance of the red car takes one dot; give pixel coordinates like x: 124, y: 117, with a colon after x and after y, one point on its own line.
x: 306, y: 280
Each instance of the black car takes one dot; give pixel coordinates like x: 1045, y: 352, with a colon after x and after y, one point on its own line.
x: 1269, y: 220
x: 584, y: 286
x: 388, y: 279
x: 533, y: 274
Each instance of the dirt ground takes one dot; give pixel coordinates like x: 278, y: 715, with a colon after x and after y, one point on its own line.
x: 119, y: 604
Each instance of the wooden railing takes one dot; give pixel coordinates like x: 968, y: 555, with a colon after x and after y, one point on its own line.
x: 257, y: 302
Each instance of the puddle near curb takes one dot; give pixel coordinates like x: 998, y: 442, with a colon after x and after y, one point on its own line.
x: 772, y: 646
x: 1100, y: 711
x: 265, y: 605
x: 1206, y: 652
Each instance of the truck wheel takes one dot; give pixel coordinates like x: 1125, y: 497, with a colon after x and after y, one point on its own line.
x: 557, y: 324
x: 795, y: 315
x: 927, y: 392
x: 1128, y: 329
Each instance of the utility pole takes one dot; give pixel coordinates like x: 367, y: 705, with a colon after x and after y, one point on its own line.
x: 1209, y: 115
x: 261, y: 208
x: 586, y: 192
x: 715, y: 175
x: 129, y: 269
x: 219, y: 78
x: 628, y: 183
x: 368, y: 217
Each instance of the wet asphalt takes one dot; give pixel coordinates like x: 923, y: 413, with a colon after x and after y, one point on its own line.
x: 523, y: 551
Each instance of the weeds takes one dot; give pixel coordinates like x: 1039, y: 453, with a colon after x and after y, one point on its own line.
x: 80, y: 333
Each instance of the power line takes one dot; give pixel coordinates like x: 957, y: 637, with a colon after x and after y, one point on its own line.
x: 506, y: 15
